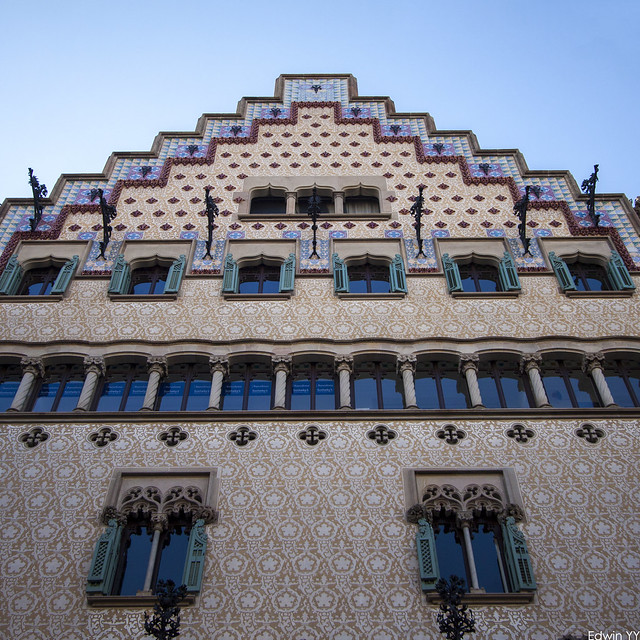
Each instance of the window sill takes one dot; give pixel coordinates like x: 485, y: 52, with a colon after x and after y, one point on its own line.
x: 522, y: 597
x: 371, y: 296
x: 142, y: 297
x: 257, y: 296
x: 131, y: 601
x: 299, y: 217
x: 57, y: 297
x: 485, y: 294
x: 622, y: 293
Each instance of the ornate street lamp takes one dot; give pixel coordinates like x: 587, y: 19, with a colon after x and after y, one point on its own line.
x: 212, y: 212
x: 520, y: 209
x: 164, y: 623
x: 108, y: 215
x: 39, y: 191
x: 313, y: 211
x: 417, y: 209
x: 589, y: 187
x: 454, y: 618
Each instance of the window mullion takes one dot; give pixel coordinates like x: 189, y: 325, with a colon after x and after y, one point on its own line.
x: 64, y: 377
x: 378, y: 378
x: 127, y: 387
x: 153, y: 554
x: 473, y: 574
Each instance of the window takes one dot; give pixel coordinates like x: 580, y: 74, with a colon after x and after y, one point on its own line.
x: 155, y: 531
x: 186, y: 388
x: 312, y: 386
x: 376, y: 385
x: 60, y: 388
x: 160, y: 278
x: 471, y: 276
x: 10, y: 376
x: 567, y: 385
x: 248, y: 387
x: 369, y: 277
x: 123, y: 388
x: 268, y: 201
x: 52, y: 279
x: 468, y: 528
x: 439, y: 385
x: 325, y: 201
x: 577, y: 274
x: 259, y: 278
x: 361, y: 200
x: 623, y: 379
x: 502, y: 385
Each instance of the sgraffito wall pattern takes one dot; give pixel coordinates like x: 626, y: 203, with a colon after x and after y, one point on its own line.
x: 311, y: 543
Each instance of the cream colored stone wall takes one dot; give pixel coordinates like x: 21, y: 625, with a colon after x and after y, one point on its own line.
x: 312, y: 541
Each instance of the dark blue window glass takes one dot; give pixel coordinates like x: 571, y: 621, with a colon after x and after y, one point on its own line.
x: 135, y: 560
x: 123, y: 388
x: 186, y: 388
x: 451, y: 555
x: 60, y: 388
x: 173, y: 555
x: 150, y: 280
x: 376, y: 385
x: 369, y: 278
x: 479, y: 277
x: 486, y: 558
x: 567, y: 385
x: 8, y: 390
x: 439, y: 385
x: 248, y: 388
x: 261, y: 278
x: 501, y: 385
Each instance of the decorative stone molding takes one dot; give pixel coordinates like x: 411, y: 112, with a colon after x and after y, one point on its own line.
x: 530, y: 364
x: 32, y: 368
x: 344, y: 367
x: 381, y: 434
x: 469, y: 367
x: 593, y: 365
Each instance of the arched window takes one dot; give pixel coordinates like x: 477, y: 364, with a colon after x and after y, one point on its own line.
x: 589, y: 276
x: 10, y: 376
x: 567, y: 385
x: 475, y: 275
x: 268, y: 201
x: 376, y: 385
x: 123, y: 388
x: 479, y: 277
x: 248, y: 387
x: 38, y: 282
x: 325, y: 203
x: 439, y: 385
x: 149, y: 280
x: 52, y: 278
x: 154, y: 277
x: 502, y: 385
x: 623, y: 379
x: 361, y: 200
x: 186, y: 388
x: 369, y: 278
x: 60, y: 388
x: 312, y: 386
x: 261, y: 278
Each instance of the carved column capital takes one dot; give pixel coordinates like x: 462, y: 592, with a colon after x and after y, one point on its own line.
x: 464, y: 518
x: 94, y: 364
x: 468, y: 361
x: 530, y: 361
x: 219, y: 364
x: 344, y: 363
x: 407, y: 363
x: 32, y: 365
x: 281, y: 363
x: 592, y: 361
x: 157, y: 364
x: 111, y: 513
x: 159, y: 521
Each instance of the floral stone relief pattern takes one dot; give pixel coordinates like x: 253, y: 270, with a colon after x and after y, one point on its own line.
x: 332, y: 556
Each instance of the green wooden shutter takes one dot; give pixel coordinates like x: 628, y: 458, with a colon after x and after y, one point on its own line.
x: 451, y: 273
x: 508, y: 274
x: 230, y: 277
x: 105, y: 560
x: 619, y: 273
x: 194, y: 565
x: 397, y: 275
x: 517, y: 557
x: 174, y: 277
x: 288, y: 273
x: 120, y: 277
x: 427, y: 556
x: 340, y: 275
x: 65, y: 275
x: 11, y: 277
x: 565, y: 279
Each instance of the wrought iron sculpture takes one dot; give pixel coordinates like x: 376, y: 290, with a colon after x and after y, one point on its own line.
x: 164, y: 623
x: 417, y: 209
x: 520, y: 209
x: 212, y: 212
x: 39, y: 191
x: 313, y: 210
x: 108, y: 215
x: 454, y: 618
x: 589, y: 187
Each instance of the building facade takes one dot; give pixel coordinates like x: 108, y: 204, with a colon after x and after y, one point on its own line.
x: 309, y: 424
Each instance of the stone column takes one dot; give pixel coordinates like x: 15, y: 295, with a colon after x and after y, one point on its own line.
x: 219, y: 368
x: 159, y: 524
x: 407, y: 368
x: 592, y: 365
x: 281, y: 367
x: 464, y: 520
x: 338, y: 202
x: 291, y: 202
x: 157, y: 371
x: 469, y: 367
x: 530, y: 364
x: 344, y: 367
x: 93, y: 369
x: 32, y: 368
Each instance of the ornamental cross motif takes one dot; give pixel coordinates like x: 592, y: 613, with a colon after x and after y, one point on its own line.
x: 173, y: 436
x: 34, y: 437
x: 103, y: 437
x: 520, y: 433
x: 590, y: 433
x: 381, y: 434
x: 242, y: 436
x: 312, y: 435
x: 451, y: 435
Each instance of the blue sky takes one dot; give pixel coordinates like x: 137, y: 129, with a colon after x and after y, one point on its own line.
x: 558, y: 80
